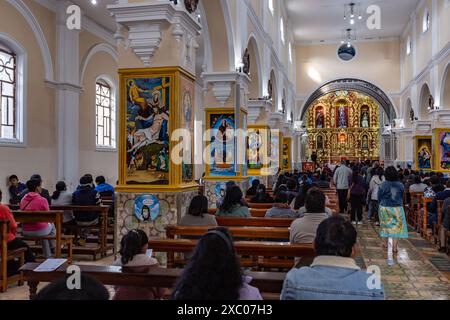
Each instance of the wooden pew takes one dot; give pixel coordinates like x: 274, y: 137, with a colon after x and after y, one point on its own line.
x: 8, y: 255
x: 414, y: 209
x: 423, y: 228
x: 260, y: 205
x: 253, y: 249
x: 53, y: 216
x: 173, y: 232
x: 258, y: 213
x: 266, y: 282
x: 254, y: 222
x: 437, y: 225
x: 102, y: 227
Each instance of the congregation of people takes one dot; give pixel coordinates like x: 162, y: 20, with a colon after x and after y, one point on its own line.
x: 213, y: 270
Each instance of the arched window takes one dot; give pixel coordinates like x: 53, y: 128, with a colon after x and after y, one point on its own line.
x: 8, y: 112
x: 105, y: 114
x: 282, y: 30
x: 271, y: 7
x: 290, y: 52
x: 408, y: 46
x: 426, y: 20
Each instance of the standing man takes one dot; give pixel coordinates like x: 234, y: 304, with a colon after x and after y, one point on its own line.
x: 341, y: 181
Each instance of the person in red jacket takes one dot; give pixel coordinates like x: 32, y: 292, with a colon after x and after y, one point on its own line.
x: 13, y: 242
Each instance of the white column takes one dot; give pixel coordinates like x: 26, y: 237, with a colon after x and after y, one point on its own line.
x: 67, y: 99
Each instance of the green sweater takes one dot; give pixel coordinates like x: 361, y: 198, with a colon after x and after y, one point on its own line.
x: 236, y: 211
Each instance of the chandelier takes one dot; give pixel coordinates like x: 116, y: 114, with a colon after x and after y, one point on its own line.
x: 348, y: 37
x: 352, y: 11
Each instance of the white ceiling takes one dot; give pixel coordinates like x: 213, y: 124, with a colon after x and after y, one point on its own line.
x: 98, y: 12
x: 323, y: 20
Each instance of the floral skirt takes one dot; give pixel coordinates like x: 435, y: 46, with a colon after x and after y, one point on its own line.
x: 393, y: 222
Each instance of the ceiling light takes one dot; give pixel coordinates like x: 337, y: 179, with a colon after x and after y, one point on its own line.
x: 94, y: 2
x: 352, y: 21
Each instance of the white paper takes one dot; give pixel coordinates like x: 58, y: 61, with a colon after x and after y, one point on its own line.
x: 50, y: 265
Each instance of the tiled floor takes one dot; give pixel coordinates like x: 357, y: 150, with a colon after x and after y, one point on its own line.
x: 418, y: 272
x: 411, y: 273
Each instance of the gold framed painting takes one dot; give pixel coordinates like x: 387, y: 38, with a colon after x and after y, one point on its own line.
x: 441, y: 143
x: 154, y: 102
x: 258, y: 149
x: 423, y: 153
x: 287, y: 153
x: 223, y: 158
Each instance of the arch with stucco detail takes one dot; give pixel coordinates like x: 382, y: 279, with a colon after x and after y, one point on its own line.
x: 423, y: 111
x: 219, y: 23
x: 38, y: 34
x: 358, y: 85
x: 255, y: 88
x: 101, y: 47
x: 445, y: 88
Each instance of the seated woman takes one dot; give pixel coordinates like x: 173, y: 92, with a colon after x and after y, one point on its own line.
x: 281, y: 208
x: 252, y: 190
x: 323, y: 182
x: 197, y: 213
x: 13, y: 242
x: 61, y: 197
x: 214, y: 272
x: 133, y: 259
x: 261, y: 195
x: 33, y: 201
x: 232, y: 205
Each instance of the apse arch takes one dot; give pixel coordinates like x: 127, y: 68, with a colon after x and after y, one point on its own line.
x: 255, y: 88
x: 351, y: 84
x: 445, y: 88
x: 100, y: 47
x: 424, y: 97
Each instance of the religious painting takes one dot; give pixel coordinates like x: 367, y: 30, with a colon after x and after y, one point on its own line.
x: 244, y: 127
x: 222, y: 151
x: 320, y: 118
x: 255, y: 144
x: 220, y: 189
x: 308, y: 166
x: 342, y: 116
x: 274, y: 149
x: 442, y: 144
x: 187, y: 122
x: 148, y: 105
x: 424, y: 152
x: 146, y: 208
x: 365, y: 118
x: 287, y: 154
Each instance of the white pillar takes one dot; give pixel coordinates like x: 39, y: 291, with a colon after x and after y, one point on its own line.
x: 67, y: 99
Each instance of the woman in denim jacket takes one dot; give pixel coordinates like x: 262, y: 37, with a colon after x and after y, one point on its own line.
x: 391, y: 212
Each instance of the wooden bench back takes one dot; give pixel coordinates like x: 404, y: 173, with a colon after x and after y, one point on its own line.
x: 238, y: 232
x: 254, y: 222
x: 267, y: 282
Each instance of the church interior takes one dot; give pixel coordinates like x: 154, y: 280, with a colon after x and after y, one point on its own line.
x: 135, y: 118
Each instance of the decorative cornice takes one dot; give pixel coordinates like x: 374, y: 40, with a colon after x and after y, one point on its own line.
x: 145, y: 26
x: 256, y: 108
x: 222, y: 83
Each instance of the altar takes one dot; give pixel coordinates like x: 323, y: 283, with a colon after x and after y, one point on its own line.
x: 344, y: 124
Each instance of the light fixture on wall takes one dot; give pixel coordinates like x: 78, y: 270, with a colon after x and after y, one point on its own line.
x: 352, y: 11
x: 94, y: 2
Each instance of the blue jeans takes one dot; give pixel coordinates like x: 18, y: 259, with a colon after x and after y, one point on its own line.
x: 47, y: 245
x: 373, y: 209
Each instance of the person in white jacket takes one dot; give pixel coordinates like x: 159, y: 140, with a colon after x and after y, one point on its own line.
x: 372, y: 196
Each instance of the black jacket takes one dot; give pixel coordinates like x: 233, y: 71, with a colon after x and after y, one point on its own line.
x: 86, y: 195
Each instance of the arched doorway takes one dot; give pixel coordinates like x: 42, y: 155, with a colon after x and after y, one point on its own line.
x: 445, y: 96
x: 255, y: 65
x: 424, y: 102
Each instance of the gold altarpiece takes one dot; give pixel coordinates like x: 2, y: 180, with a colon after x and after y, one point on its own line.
x: 344, y: 124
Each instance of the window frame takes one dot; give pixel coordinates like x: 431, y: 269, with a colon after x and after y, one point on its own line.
x: 105, y: 81
x: 20, y: 88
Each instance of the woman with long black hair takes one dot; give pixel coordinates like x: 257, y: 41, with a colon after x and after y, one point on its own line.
x: 214, y: 272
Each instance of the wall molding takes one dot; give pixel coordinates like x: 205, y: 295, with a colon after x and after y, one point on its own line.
x: 101, y: 47
x: 39, y: 35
